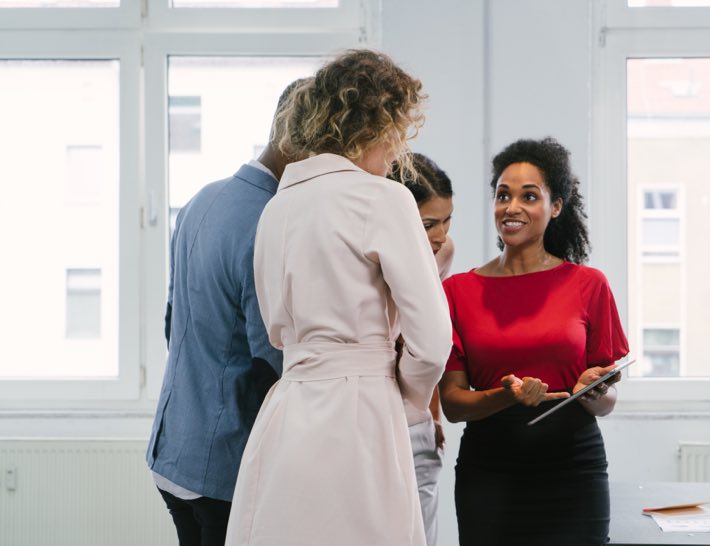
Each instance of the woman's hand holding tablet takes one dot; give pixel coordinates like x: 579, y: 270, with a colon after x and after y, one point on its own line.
x: 608, y: 378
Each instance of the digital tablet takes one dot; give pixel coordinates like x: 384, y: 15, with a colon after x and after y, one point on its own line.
x: 586, y: 389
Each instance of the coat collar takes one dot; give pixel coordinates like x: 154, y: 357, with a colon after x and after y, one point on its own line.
x: 257, y: 177
x: 315, y: 166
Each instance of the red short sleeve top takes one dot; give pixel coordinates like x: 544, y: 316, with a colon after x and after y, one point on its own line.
x: 550, y: 324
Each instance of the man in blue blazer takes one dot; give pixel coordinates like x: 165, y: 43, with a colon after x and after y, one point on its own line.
x: 220, y: 362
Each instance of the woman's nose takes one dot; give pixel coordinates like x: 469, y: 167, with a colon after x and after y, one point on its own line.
x: 513, y: 206
x: 438, y: 234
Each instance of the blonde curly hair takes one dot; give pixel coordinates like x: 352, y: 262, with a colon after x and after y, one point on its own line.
x: 358, y: 100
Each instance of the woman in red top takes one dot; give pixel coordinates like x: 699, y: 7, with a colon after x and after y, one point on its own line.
x: 530, y: 327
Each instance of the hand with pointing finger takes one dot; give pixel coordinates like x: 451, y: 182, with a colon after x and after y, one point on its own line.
x: 529, y: 391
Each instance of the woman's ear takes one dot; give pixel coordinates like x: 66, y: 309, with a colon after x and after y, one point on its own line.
x: 557, y: 207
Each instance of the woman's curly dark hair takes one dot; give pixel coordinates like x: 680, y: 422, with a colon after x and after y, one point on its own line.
x: 566, y: 236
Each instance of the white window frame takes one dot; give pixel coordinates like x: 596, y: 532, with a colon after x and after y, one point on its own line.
x: 72, y: 45
x: 142, y: 36
x: 620, y: 15
x: 126, y: 15
x: 656, y: 33
x: 342, y: 18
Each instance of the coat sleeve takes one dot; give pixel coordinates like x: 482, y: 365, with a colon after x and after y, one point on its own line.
x: 445, y: 258
x: 396, y: 240
x: 261, y: 349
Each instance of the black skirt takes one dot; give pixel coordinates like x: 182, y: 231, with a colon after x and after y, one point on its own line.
x: 539, y: 485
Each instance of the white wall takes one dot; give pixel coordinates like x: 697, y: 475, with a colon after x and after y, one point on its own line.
x: 442, y: 44
x: 539, y: 77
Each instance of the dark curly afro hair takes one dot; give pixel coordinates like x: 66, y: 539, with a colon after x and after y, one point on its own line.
x: 566, y: 236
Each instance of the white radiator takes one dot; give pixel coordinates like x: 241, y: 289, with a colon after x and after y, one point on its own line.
x: 80, y: 493
x: 695, y: 462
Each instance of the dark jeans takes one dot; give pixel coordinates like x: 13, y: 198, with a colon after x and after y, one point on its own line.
x: 199, y: 522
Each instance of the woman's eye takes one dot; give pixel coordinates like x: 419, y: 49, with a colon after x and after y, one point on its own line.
x: 428, y: 226
x: 531, y: 197
x: 502, y: 197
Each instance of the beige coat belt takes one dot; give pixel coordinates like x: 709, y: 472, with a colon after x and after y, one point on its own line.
x: 319, y: 360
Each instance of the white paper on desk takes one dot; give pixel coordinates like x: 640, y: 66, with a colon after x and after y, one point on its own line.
x: 690, y: 521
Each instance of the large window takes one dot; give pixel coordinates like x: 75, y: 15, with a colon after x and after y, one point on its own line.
x: 113, y: 116
x: 653, y: 146
x: 59, y: 212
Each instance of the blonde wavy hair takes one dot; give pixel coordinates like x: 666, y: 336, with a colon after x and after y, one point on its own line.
x: 358, y: 100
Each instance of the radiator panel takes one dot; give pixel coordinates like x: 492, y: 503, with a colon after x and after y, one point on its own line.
x: 80, y: 493
x: 695, y: 462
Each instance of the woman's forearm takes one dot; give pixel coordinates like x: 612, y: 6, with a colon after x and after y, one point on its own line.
x: 435, y: 406
x: 462, y: 405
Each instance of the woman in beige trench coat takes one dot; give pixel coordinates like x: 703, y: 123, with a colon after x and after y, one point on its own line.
x: 342, y: 263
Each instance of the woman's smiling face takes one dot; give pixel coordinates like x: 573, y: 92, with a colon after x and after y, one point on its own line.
x: 523, y: 205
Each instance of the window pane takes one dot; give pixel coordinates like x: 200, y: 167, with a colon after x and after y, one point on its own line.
x: 59, y: 3
x: 666, y: 337
x: 668, y: 3
x: 185, y: 122
x: 660, y: 231
x: 668, y: 130
x: 664, y: 200
x: 255, y: 3
x: 59, y: 279
x: 660, y: 364
x: 661, y: 353
x: 83, y: 303
x: 235, y: 100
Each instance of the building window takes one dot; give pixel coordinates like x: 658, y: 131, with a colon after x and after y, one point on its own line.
x: 660, y: 225
x: 83, y: 303
x: 185, y: 122
x: 661, y: 352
